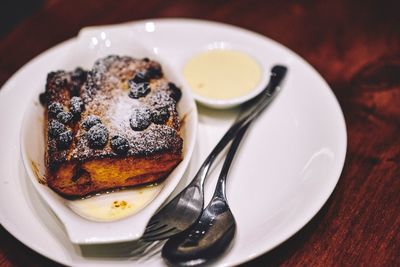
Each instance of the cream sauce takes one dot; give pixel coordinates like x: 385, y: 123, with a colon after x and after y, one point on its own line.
x: 118, y: 205
x: 222, y: 74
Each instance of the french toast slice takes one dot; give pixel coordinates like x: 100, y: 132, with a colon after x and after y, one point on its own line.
x: 111, y: 127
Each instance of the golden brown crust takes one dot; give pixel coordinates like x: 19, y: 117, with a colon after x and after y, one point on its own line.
x: 103, y: 174
x: 133, y: 125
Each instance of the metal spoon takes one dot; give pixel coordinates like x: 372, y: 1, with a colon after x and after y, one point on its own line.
x: 215, y: 229
x: 185, y: 209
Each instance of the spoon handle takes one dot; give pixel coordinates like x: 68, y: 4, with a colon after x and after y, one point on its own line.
x: 251, y: 110
x: 220, y: 191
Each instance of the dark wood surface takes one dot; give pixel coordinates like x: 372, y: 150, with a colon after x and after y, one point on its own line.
x: 356, y: 48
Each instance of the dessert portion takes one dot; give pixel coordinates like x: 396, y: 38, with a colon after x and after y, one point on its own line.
x: 113, y: 126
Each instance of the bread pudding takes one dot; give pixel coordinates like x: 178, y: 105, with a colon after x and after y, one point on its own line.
x: 110, y: 127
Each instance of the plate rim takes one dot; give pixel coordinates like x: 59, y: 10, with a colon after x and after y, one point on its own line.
x: 214, y: 23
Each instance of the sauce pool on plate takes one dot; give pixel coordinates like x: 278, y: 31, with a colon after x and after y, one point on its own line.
x: 222, y: 74
x: 110, y: 207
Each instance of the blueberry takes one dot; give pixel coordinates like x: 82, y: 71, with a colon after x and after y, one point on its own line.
x: 76, y: 105
x: 97, y: 136
x: 75, y: 90
x: 64, y: 140
x: 138, y: 90
x: 140, y: 77
x: 160, y: 115
x: 55, y: 108
x: 55, y: 128
x: 140, y: 118
x: 64, y: 117
x: 60, y: 82
x: 43, y: 98
x: 154, y: 73
x: 90, y: 121
x: 119, y: 144
x: 176, y: 93
x: 51, y: 75
x: 78, y: 75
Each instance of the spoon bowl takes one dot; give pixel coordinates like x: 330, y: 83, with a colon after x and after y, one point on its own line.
x: 206, y: 240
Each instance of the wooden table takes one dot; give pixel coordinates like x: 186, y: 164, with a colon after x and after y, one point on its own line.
x: 356, y: 48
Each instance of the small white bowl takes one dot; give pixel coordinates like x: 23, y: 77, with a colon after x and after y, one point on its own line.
x: 232, y: 102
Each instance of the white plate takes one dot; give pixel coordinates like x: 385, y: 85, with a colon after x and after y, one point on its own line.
x: 129, y: 223
x: 287, y: 166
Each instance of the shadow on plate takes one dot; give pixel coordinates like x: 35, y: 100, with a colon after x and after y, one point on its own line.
x: 134, y: 250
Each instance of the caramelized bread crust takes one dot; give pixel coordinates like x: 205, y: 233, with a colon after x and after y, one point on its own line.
x: 113, y: 126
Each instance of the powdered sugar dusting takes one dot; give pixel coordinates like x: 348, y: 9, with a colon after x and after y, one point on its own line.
x: 106, y: 95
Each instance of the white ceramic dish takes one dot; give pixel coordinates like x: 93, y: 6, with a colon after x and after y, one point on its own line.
x: 286, y: 168
x: 81, y: 226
